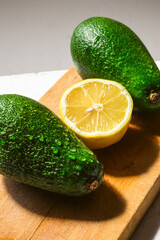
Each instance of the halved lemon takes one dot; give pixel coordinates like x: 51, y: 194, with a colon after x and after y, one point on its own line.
x: 97, y: 110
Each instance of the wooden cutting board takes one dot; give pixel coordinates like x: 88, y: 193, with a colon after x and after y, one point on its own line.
x: 131, y: 182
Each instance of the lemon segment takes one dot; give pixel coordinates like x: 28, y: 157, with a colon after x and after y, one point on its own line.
x: 97, y: 110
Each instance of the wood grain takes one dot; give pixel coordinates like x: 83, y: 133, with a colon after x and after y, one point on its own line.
x: 131, y: 182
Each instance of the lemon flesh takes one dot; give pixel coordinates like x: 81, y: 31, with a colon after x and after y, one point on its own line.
x: 97, y: 110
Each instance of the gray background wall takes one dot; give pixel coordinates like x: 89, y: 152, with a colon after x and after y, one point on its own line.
x: 35, y: 34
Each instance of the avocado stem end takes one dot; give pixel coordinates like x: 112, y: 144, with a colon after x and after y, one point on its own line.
x: 92, y: 184
x: 154, y: 97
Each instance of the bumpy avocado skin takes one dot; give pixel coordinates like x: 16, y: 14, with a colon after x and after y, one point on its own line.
x: 36, y: 148
x: 105, y: 48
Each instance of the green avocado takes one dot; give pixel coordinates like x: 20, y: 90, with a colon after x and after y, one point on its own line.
x: 105, y: 48
x: 37, y: 149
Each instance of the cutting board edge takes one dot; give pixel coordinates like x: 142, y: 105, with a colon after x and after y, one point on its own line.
x: 140, y: 213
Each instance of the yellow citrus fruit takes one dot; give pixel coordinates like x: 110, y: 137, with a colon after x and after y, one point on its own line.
x: 97, y: 110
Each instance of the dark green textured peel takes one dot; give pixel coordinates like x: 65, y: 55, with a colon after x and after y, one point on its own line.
x: 36, y: 148
x: 105, y: 48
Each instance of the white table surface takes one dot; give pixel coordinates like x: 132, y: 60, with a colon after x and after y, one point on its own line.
x: 34, y: 85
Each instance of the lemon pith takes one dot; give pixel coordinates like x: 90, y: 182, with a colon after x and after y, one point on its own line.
x: 97, y: 110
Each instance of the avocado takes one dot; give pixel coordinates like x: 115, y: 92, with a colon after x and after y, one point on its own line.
x: 37, y: 149
x: 105, y: 48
